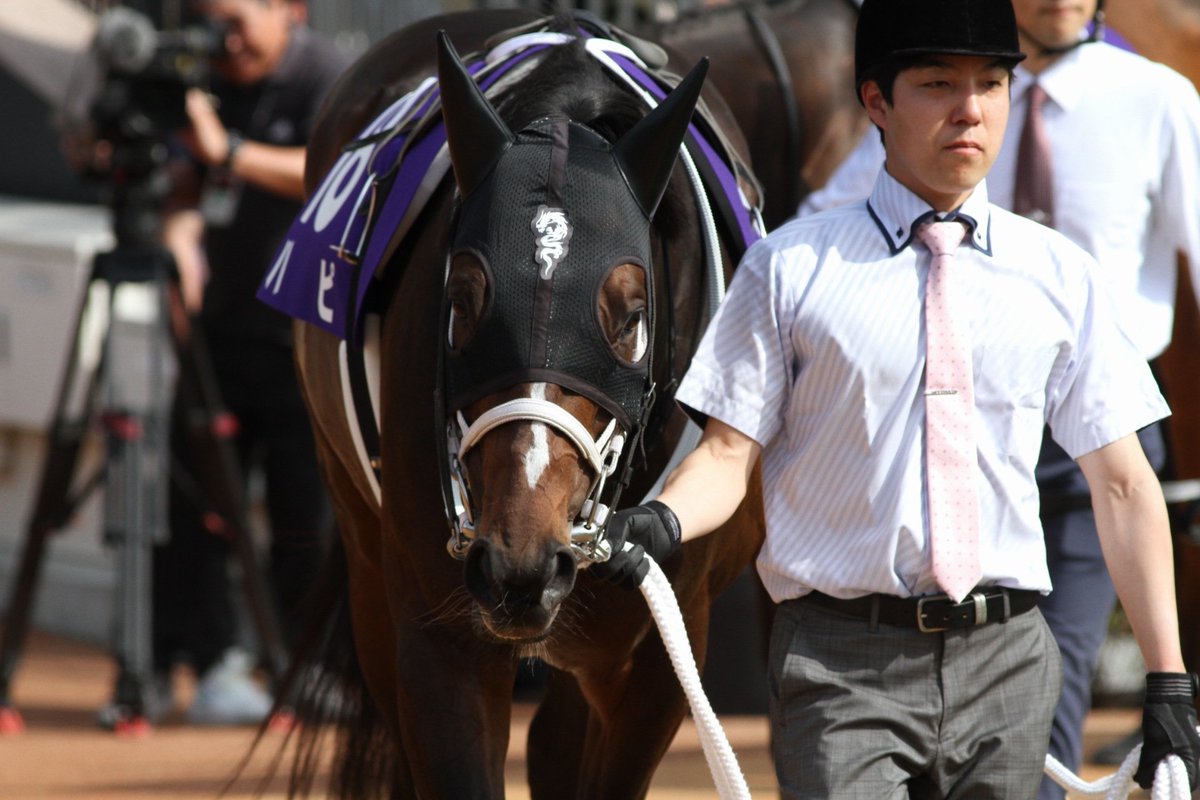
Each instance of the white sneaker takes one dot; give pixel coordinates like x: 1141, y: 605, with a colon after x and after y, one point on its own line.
x: 227, y: 694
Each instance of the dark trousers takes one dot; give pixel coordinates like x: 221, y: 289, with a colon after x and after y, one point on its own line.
x: 1079, y: 607
x: 194, y: 613
x: 890, y: 713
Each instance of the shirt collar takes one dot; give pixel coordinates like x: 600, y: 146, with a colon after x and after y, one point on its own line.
x: 1063, y: 81
x: 897, y: 212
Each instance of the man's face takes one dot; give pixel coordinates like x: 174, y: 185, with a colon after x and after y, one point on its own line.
x: 945, y: 125
x: 1051, y: 23
x: 257, y: 34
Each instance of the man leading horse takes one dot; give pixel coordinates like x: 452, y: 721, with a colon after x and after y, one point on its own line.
x: 893, y: 362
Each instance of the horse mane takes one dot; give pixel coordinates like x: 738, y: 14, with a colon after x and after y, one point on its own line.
x: 569, y: 82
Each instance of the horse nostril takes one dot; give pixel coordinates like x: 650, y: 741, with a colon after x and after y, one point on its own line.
x: 477, y: 572
x: 562, y: 578
x: 564, y: 564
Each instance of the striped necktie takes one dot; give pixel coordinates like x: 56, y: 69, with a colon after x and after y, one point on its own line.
x: 950, y: 455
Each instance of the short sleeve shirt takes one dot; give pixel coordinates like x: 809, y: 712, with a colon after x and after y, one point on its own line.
x: 818, y: 355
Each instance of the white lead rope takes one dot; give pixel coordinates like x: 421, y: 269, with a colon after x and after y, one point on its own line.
x: 1170, y: 777
x: 722, y: 762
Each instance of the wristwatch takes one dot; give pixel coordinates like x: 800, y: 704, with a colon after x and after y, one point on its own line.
x: 235, y: 139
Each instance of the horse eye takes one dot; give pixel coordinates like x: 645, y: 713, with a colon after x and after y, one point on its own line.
x: 623, y: 314
x: 633, y: 340
x: 455, y: 315
x: 467, y: 293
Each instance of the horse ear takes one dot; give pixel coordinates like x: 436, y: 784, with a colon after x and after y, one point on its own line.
x: 646, y: 153
x: 475, y: 133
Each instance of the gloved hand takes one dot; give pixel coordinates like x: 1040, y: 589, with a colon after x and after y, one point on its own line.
x: 651, y: 528
x: 1169, y: 725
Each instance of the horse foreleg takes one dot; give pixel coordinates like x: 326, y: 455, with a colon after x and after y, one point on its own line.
x: 455, y: 707
x: 633, y: 720
x: 557, y: 735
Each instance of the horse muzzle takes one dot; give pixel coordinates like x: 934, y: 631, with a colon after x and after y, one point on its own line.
x: 519, y: 598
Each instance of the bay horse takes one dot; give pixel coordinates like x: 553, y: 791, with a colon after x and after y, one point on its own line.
x: 424, y: 684
x: 786, y: 70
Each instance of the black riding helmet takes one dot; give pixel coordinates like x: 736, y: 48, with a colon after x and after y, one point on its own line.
x: 889, y: 29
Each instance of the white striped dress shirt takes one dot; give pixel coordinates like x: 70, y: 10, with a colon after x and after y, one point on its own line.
x: 818, y: 355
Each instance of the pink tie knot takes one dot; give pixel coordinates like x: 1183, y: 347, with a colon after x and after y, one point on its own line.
x: 942, y: 237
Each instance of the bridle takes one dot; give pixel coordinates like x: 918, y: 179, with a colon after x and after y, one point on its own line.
x: 602, y: 454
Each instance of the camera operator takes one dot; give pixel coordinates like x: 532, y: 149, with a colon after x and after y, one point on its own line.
x: 234, y: 196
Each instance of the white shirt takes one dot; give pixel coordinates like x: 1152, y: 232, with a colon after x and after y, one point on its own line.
x: 818, y: 355
x: 1125, y: 147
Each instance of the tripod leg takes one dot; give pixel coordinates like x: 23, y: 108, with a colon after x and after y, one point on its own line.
x: 53, y: 506
x: 137, y: 421
x: 126, y: 534
x: 211, y: 431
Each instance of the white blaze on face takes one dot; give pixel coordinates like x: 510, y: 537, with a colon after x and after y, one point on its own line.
x: 538, y: 456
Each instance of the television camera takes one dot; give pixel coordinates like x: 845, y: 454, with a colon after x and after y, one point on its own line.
x: 148, y: 73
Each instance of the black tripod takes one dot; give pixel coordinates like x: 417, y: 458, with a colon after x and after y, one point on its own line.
x: 135, y: 415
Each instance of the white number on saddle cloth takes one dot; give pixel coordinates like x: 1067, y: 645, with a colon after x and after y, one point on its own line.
x: 327, y: 236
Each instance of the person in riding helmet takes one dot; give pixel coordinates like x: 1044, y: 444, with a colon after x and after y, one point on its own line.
x: 1123, y: 182
x: 890, y: 674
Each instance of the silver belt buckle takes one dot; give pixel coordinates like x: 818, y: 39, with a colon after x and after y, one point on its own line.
x: 980, y: 601
x: 921, y: 626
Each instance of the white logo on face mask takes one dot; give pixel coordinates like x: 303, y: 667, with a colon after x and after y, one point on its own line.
x: 553, y: 233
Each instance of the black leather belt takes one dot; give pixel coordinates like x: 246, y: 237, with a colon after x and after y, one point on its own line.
x: 935, y: 612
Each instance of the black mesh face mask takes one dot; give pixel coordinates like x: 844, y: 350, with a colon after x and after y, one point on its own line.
x: 550, y: 222
x: 550, y: 212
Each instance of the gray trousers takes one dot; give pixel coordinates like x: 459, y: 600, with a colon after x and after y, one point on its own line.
x: 894, y: 713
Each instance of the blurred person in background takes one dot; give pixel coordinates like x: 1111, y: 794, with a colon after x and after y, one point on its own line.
x: 236, y: 193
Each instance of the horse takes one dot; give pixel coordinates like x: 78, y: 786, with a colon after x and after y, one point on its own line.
x: 420, y: 648
x: 786, y: 69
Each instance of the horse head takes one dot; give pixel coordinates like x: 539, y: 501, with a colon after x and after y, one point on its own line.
x: 549, y: 327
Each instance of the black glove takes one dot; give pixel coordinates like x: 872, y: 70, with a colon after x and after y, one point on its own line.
x: 652, y: 528
x: 1169, y: 725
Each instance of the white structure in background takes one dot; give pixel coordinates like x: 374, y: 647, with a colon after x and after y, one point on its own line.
x: 41, y: 42
x: 46, y: 252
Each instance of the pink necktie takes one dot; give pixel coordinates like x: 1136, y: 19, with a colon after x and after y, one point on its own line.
x: 1033, y: 191
x: 950, y: 459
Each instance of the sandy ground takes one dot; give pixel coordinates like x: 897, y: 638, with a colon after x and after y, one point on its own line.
x: 61, y: 754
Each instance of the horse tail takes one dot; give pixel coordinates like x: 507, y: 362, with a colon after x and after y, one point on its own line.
x: 325, y: 691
